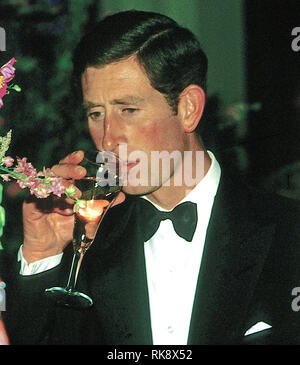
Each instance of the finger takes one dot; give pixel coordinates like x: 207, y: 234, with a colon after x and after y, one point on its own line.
x: 69, y: 171
x: 73, y: 158
x: 65, y: 212
x: 36, y: 207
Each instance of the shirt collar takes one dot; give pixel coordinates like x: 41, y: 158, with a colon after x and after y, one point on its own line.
x: 206, y: 189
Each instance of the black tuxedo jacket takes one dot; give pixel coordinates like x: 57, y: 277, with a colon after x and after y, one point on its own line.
x: 250, y: 265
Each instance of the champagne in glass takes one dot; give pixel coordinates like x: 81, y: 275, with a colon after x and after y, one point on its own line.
x: 95, y: 201
x: 99, y: 189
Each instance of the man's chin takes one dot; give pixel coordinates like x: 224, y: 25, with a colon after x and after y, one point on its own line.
x: 139, y: 190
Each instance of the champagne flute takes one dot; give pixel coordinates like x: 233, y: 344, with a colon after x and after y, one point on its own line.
x: 99, y: 189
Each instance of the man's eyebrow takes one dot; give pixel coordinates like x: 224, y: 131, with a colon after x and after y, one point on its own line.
x: 88, y: 105
x: 127, y: 100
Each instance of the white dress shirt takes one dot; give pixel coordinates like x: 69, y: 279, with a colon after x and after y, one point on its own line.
x: 38, y: 266
x: 172, y: 265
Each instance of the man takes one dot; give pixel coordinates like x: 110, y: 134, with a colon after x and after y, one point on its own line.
x: 143, y: 84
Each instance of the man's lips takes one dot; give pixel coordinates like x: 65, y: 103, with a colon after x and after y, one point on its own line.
x: 124, y: 168
x: 130, y: 164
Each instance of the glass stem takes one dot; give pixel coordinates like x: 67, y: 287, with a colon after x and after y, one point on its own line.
x: 76, y: 262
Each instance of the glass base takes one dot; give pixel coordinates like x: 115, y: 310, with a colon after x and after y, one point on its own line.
x: 68, y: 298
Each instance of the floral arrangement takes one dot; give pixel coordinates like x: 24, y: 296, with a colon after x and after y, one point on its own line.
x: 40, y: 183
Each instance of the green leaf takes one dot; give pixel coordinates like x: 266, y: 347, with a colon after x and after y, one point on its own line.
x: 2, y: 218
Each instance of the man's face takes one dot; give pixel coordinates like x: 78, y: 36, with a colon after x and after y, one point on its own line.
x: 123, y: 108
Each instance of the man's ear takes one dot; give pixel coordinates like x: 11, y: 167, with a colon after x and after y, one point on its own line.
x: 191, y: 106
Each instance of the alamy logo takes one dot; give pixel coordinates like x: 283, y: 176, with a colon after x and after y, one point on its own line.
x: 137, y: 168
x: 296, y: 41
x: 2, y: 296
x: 2, y: 39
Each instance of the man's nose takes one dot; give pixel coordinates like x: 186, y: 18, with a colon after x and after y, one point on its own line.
x: 112, y: 136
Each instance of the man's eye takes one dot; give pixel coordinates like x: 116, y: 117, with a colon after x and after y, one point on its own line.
x: 95, y: 115
x: 129, y: 110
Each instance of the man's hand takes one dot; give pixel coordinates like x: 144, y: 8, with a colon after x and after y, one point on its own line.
x: 48, y: 223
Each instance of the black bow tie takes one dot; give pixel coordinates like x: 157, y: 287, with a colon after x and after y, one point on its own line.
x: 183, y: 217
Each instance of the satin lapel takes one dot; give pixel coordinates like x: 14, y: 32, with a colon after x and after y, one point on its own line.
x: 236, y: 246
x: 117, y: 274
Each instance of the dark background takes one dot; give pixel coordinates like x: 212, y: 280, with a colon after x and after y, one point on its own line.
x: 273, y: 77
x: 47, y: 120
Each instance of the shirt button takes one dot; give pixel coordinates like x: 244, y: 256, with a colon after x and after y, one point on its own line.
x: 170, y: 329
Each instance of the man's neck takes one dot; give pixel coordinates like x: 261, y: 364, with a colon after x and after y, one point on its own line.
x: 167, y: 197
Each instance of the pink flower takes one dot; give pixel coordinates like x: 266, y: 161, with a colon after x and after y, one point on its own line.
x: 57, y: 186
x: 3, y: 89
x: 47, y: 174
x: 8, y: 71
x: 8, y: 161
x: 29, y: 179
x: 55, y: 182
x: 25, y: 167
x: 41, y: 184
x: 41, y: 191
x: 28, y: 182
x: 6, y: 177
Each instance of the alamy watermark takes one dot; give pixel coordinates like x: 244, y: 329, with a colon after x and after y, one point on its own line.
x: 296, y: 41
x: 139, y: 168
x: 2, y: 296
x: 2, y: 39
x: 295, y: 304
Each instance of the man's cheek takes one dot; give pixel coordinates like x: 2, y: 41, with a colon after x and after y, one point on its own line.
x: 152, y: 135
x: 96, y: 136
